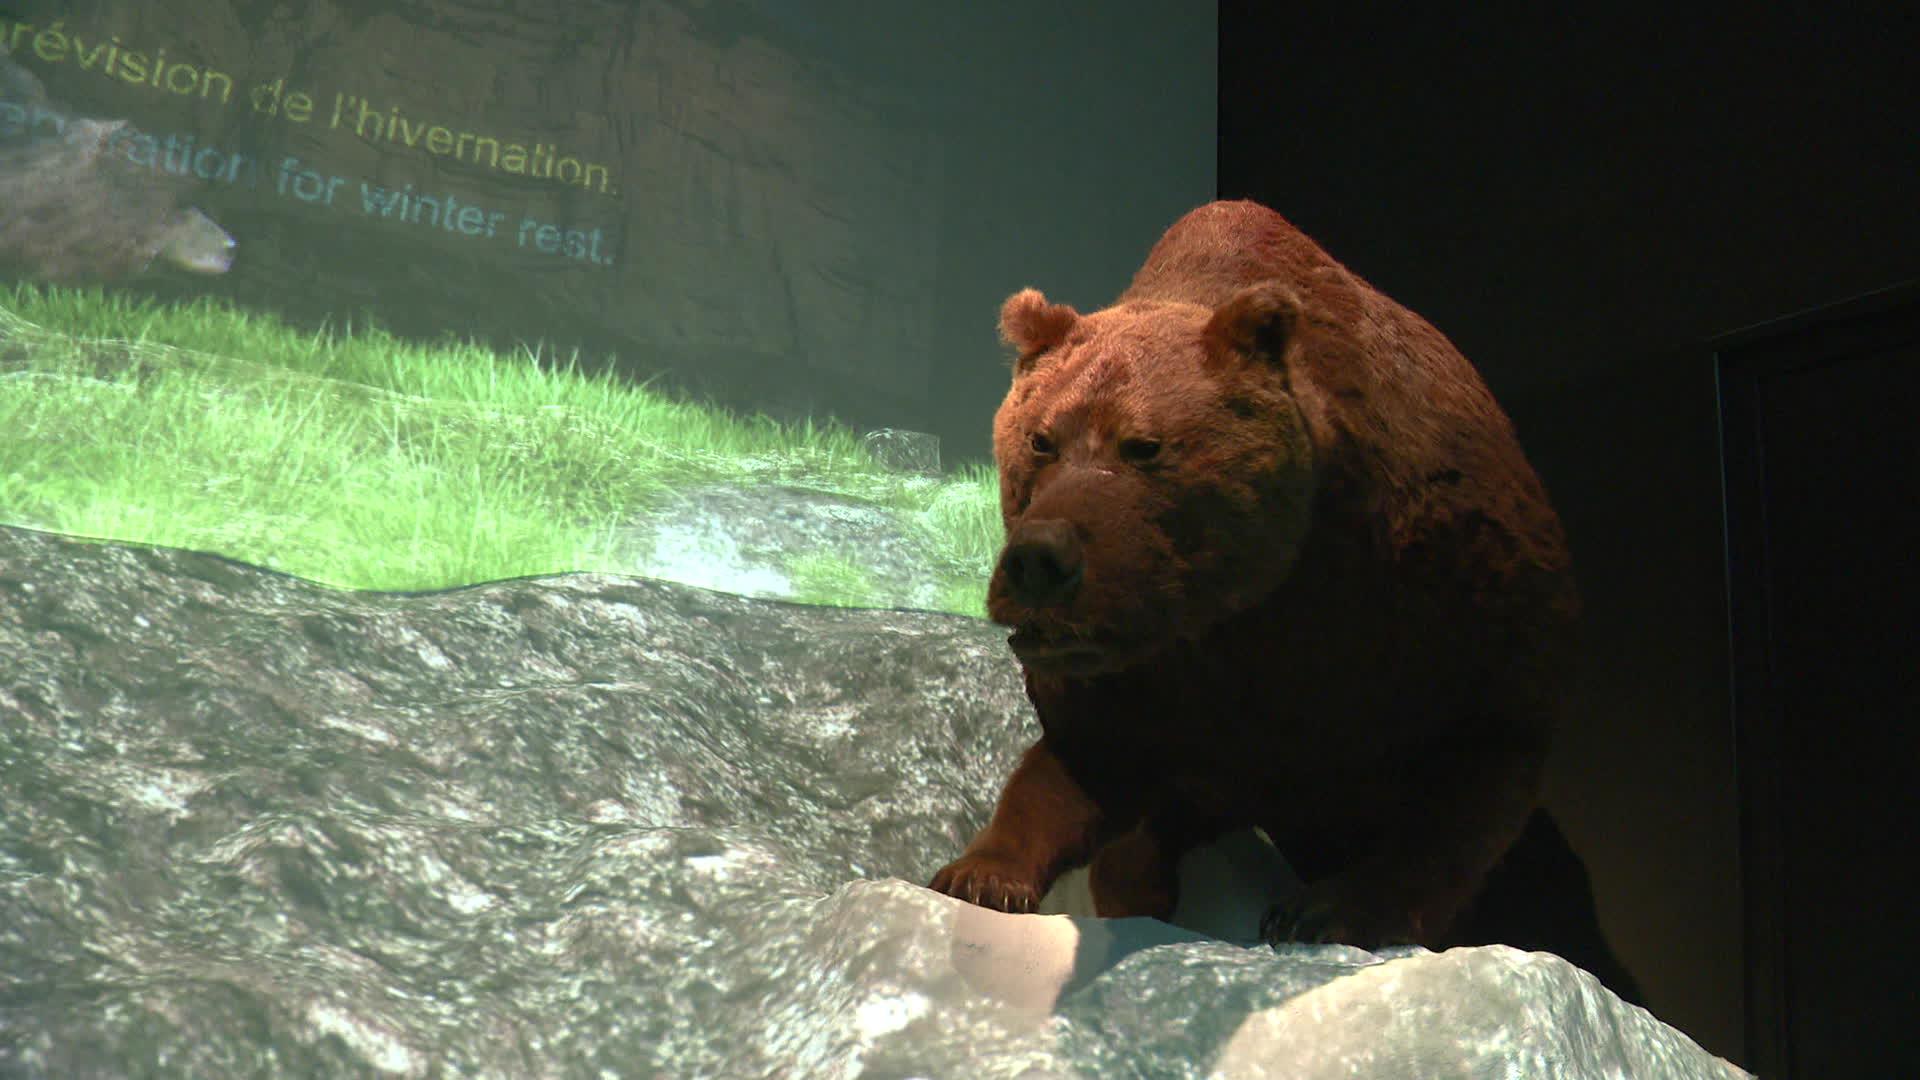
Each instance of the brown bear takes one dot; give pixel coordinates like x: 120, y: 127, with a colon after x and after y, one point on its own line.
x: 1274, y: 558
x: 74, y: 206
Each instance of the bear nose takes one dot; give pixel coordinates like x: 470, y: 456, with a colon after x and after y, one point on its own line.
x: 1042, y: 563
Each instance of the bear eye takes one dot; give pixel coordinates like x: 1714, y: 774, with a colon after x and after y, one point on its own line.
x: 1041, y: 444
x: 1139, y: 451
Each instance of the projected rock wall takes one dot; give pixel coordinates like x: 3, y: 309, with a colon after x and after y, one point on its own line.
x: 657, y: 179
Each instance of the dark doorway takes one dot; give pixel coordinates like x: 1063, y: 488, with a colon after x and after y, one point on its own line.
x: 1823, y: 503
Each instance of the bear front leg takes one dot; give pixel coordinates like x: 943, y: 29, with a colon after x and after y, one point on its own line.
x: 1136, y: 875
x: 1044, y: 822
x: 1456, y: 816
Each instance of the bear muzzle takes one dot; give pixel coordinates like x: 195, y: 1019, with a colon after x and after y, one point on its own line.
x: 1088, y: 580
x: 1042, y: 565
x: 1038, y: 590
x: 1039, y: 575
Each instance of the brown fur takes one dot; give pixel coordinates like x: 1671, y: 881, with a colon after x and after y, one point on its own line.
x: 1274, y: 558
x: 74, y: 207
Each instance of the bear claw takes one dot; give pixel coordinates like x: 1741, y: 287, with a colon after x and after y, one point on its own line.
x: 988, y: 883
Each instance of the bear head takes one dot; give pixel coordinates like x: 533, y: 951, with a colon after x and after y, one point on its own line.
x: 1156, y: 473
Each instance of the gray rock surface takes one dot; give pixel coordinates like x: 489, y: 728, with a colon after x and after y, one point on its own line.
x: 759, y: 541
x: 592, y: 826
x: 906, y: 451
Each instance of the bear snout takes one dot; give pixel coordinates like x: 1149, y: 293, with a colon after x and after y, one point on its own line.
x: 1043, y: 563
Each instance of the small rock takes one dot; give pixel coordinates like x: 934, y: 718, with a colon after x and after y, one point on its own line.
x: 905, y: 451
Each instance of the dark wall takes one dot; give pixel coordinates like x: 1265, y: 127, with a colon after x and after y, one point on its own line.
x: 1823, y: 474
x: 1106, y: 101
x: 1580, y: 202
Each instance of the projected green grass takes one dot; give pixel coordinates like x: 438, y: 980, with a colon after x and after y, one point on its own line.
x: 363, y: 460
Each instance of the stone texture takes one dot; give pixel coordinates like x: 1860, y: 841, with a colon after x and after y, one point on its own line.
x: 760, y: 541
x: 578, y: 825
x: 905, y: 451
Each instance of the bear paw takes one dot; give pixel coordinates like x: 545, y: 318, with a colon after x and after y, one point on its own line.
x: 1336, y: 911
x: 991, y: 882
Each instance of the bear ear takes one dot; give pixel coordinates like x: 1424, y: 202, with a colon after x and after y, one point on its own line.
x: 1031, y: 325
x: 1258, y: 322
